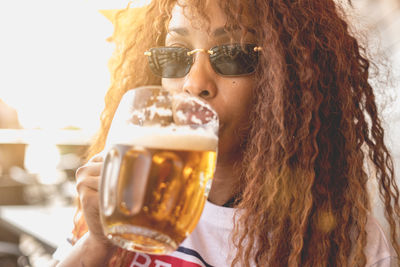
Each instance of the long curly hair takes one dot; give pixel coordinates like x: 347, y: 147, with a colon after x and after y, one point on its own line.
x: 314, y: 128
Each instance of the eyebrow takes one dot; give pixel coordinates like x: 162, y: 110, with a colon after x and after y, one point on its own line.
x: 185, y: 32
x: 219, y: 31
x: 179, y: 30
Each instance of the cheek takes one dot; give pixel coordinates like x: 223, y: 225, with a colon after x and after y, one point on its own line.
x: 241, y: 93
x: 238, y: 107
x: 235, y: 105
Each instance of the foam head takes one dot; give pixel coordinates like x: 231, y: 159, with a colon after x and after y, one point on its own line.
x: 152, y: 117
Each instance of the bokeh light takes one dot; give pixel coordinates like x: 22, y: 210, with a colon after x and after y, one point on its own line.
x: 54, y: 58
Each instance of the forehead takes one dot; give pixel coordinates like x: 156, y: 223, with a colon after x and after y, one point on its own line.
x: 183, y: 17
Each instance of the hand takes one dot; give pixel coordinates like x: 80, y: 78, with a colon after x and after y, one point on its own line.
x: 93, y: 249
x: 88, y: 180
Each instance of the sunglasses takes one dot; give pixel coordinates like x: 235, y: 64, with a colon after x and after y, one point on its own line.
x: 226, y: 60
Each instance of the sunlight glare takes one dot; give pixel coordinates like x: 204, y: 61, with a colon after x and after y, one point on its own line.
x: 54, y: 58
x: 42, y: 158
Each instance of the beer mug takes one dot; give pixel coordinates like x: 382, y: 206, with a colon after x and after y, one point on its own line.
x: 161, y: 156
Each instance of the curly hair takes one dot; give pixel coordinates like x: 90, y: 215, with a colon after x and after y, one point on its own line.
x: 314, y: 124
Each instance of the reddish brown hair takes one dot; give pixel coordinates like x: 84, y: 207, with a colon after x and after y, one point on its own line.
x: 304, y: 198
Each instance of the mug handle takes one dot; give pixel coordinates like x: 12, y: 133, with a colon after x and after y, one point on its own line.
x: 124, y: 179
x: 134, y: 176
x: 109, y: 179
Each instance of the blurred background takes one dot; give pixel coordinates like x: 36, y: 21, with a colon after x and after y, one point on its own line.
x: 53, y: 78
x: 53, y: 65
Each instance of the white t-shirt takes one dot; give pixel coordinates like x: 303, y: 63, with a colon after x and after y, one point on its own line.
x: 210, y: 244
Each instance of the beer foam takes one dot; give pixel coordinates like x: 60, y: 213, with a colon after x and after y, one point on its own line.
x: 169, y: 137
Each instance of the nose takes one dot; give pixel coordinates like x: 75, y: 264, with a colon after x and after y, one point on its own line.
x: 201, y: 79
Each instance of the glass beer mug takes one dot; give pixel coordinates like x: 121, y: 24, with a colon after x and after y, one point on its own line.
x: 161, y: 156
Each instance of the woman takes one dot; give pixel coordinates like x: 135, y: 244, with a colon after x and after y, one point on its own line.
x: 298, y: 126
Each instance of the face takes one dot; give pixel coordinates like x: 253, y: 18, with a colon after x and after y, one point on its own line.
x: 229, y: 96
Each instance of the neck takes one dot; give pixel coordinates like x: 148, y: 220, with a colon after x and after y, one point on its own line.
x: 224, y: 185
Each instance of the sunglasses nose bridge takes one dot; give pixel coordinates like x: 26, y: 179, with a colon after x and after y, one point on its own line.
x: 198, y: 50
x: 193, y: 53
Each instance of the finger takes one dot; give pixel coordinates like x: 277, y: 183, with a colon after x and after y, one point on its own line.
x: 88, y: 182
x: 91, y: 168
x: 98, y: 157
x: 90, y: 201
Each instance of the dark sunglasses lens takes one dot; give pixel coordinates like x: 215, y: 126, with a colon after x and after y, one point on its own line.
x: 234, y: 60
x: 170, y: 62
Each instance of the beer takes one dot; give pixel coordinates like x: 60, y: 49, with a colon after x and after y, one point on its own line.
x: 161, y: 155
x: 156, y: 183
